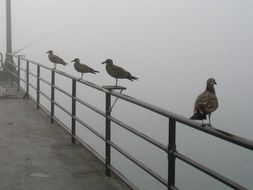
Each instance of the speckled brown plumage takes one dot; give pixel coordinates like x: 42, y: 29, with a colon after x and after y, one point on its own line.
x: 55, y: 59
x: 206, y: 102
x: 117, y: 72
x: 82, y: 68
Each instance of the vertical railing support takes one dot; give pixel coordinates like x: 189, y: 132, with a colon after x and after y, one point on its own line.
x: 171, y: 156
x: 73, y: 123
x: 108, y: 135
x: 27, y: 80
x: 52, y: 94
x: 18, y: 73
x: 38, y: 87
x: 1, y: 60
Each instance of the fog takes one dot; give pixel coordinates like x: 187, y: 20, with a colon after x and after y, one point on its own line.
x: 172, y: 46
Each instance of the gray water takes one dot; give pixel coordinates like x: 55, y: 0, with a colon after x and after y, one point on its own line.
x: 173, y: 47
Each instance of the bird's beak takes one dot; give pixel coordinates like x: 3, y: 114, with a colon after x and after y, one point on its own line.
x: 73, y: 60
x: 103, y: 62
x: 215, y: 83
x: 47, y: 52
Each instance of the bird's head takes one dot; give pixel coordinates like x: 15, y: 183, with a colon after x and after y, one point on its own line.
x: 107, y: 61
x: 50, y: 51
x: 76, y: 60
x: 211, y: 82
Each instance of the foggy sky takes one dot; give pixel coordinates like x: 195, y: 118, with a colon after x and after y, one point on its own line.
x: 172, y: 46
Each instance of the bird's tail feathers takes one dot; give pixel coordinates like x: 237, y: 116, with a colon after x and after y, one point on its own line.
x: 198, y: 116
x: 94, y: 71
x: 131, y: 78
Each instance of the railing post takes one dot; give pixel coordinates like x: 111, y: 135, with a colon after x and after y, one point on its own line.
x: 73, y: 124
x: 38, y: 86
x: 52, y: 95
x: 27, y: 79
x: 108, y: 135
x: 1, y: 60
x: 18, y: 73
x: 171, y: 156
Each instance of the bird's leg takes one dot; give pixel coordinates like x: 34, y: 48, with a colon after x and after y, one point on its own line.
x: 81, y: 76
x: 209, y: 118
x: 116, y: 82
x: 54, y: 65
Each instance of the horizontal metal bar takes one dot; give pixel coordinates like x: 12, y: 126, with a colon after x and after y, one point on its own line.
x: 12, y: 73
x: 30, y: 61
x: 138, y: 163
x: 45, y: 81
x: 11, y: 63
x: 62, y: 108
x: 63, y: 91
x: 89, y: 106
x: 87, y: 83
x: 15, y: 75
x: 210, y: 172
x: 22, y: 69
x: 45, y: 95
x: 210, y: 130
x: 23, y: 80
x: 90, y: 128
x: 33, y: 75
x: 31, y: 85
x: 142, y: 135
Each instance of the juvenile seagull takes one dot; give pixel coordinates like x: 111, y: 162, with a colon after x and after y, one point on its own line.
x: 117, y: 72
x: 55, y: 59
x: 206, y: 102
x: 82, y: 68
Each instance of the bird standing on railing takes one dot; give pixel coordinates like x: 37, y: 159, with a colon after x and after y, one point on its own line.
x: 55, y: 59
x: 82, y: 68
x: 206, y: 102
x: 117, y: 72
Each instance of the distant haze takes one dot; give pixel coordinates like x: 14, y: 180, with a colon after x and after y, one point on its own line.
x: 172, y: 46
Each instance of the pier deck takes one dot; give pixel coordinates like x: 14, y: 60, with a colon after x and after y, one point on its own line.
x: 38, y: 155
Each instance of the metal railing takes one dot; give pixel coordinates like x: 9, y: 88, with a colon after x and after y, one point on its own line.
x: 173, y: 119
x: 1, y: 60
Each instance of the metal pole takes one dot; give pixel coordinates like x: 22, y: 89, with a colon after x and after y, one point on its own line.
x: 73, y: 127
x: 27, y: 79
x: 18, y: 73
x: 8, y: 28
x: 108, y: 135
x: 8, y: 57
x: 52, y: 95
x: 38, y: 87
x: 171, y: 156
x: 1, y: 60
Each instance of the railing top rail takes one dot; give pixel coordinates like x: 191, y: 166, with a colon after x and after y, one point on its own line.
x: 210, y: 130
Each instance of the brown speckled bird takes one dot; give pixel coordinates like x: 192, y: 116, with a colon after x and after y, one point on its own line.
x: 55, y: 59
x: 206, y: 102
x: 117, y: 72
x: 82, y: 68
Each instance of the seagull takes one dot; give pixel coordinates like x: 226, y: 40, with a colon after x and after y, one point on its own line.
x: 55, y: 59
x: 82, y: 68
x: 117, y: 72
x: 206, y: 102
